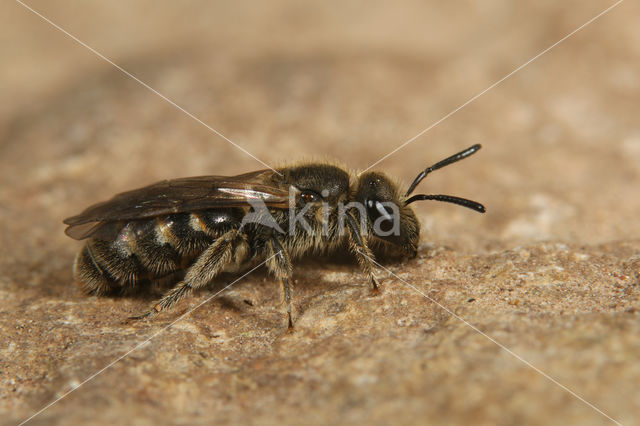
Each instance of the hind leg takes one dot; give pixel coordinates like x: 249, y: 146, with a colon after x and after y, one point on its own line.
x: 230, y: 248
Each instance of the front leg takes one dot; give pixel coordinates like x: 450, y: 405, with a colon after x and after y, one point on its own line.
x: 279, y: 264
x: 358, y: 245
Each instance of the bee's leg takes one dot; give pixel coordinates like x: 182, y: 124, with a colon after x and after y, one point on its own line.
x: 358, y: 245
x: 279, y: 264
x: 210, y: 263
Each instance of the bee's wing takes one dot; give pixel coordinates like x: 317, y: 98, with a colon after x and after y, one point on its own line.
x: 179, y: 196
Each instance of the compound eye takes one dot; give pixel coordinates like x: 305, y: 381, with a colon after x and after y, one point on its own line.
x: 380, y: 214
x: 309, y: 197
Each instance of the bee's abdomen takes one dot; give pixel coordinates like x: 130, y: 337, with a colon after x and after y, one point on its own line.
x: 150, y: 249
x: 102, y: 268
x: 152, y: 245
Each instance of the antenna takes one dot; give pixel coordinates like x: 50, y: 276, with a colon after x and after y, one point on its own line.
x: 454, y: 158
x: 449, y: 199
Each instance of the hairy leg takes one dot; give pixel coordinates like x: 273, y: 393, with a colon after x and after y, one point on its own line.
x: 358, y: 245
x: 222, y: 253
x: 279, y: 264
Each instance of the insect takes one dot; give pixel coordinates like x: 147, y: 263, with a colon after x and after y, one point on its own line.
x: 191, y: 229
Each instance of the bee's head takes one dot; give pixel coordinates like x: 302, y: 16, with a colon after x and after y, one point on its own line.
x: 389, y: 216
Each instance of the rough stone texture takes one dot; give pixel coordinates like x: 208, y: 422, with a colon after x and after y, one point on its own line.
x: 550, y: 273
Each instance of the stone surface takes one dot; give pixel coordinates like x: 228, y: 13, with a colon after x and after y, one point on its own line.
x: 546, y: 283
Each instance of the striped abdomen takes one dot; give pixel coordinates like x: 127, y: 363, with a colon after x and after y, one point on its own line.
x: 145, y: 250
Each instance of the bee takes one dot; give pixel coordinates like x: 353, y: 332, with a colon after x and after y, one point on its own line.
x: 189, y: 230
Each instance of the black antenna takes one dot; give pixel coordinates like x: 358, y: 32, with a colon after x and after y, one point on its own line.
x: 456, y: 157
x: 449, y: 199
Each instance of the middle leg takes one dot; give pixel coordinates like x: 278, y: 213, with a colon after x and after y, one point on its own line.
x: 279, y: 264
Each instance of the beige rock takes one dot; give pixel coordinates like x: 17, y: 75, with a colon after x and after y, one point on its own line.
x: 526, y: 315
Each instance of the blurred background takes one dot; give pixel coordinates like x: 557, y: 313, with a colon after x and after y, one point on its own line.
x: 351, y: 82
x: 346, y: 81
